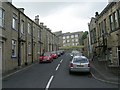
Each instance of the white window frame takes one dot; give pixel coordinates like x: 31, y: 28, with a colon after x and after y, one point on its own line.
x: 73, y: 44
x: 2, y: 17
x: 63, y: 37
x: 72, y: 36
x: 29, y: 48
x: 22, y: 27
x: 68, y: 37
x: 76, y: 35
x: 76, y: 40
x: 64, y: 41
x: 73, y: 40
x: 14, y: 48
x: 111, y: 23
x: 29, y: 28
x: 68, y: 41
x: 14, y: 21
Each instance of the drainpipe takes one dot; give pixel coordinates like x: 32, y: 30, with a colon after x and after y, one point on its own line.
x: 32, y: 41
x: 19, y: 42
x: 40, y: 42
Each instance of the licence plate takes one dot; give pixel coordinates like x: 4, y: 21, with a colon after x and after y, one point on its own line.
x: 79, y: 65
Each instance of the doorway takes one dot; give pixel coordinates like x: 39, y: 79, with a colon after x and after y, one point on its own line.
x: 0, y: 58
x: 119, y: 55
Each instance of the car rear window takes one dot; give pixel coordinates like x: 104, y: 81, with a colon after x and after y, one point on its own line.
x: 80, y: 60
x: 46, y: 54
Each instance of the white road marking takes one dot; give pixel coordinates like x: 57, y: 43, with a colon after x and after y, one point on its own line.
x: 48, y: 84
x: 17, y: 71
x: 57, y: 67
x: 61, y: 60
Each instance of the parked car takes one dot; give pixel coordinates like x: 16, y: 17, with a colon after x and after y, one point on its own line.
x: 58, y: 53
x: 46, y: 57
x: 79, y: 64
x: 62, y: 52
x: 54, y: 54
x: 74, y: 52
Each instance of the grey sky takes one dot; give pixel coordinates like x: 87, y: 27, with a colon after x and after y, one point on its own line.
x: 65, y: 16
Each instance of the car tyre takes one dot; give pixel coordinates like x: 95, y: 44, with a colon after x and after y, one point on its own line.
x: 70, y: 72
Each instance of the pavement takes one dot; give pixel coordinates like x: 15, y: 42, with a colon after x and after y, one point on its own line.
x: 101, y: 71
x: 17, y: 69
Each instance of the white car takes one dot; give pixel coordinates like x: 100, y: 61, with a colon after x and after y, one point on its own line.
x: 79, y: 64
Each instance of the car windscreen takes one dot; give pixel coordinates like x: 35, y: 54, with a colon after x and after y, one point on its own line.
x: 46, y: 54
x: 53, y: 52
x: 80, y: 60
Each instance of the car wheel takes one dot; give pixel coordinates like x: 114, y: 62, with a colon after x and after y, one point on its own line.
x: 70, y: 72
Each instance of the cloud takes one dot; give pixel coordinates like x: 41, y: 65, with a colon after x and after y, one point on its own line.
x: 69, y: 19
x: 65, y: 16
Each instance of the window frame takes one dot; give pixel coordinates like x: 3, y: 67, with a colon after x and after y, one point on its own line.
x: 14, y: 21
x: 112, y: 27
x: 29, y: 28
x: 14, y: 46
x: 22, y: 26
x: 2, y: 18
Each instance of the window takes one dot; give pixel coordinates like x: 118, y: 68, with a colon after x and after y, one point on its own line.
x: 22, y: 27
x: 76, y: 44
x: 72, y: 36
x: 119, y: 17
x: 67, y: 37
x: 29, y: 28
x: 64, y: 41
x: 111, y: 23
x: 14, y: 48
x: 76, y: 35
x: 115, y: 19
x: 73, y: 44
x: 76, y: 40
x: 38, y: 33
x: 94, y: 35
x: 68, y: 40
x: 29, y: 48
x: 2, y: 17
x: 14, y: 22
x: 104, y: 26
x: 64, y: 37
x: 100, y: 30
x: 72, y: 40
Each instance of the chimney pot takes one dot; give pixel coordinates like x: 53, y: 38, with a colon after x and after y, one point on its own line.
x: 37, y: 19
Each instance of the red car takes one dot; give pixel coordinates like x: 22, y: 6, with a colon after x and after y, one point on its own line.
x: 47, y: 57
x: 54, y: 54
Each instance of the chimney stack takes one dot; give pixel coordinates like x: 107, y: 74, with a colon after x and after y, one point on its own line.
x: 37, y: 19
x: 96, y: 14
x: 41, y: 24
x: 21, y: 9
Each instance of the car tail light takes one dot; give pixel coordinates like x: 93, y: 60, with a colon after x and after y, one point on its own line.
x: 71, y: 64
x: 88, y: 65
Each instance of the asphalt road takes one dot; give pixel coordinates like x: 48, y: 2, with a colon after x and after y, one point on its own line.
x: 53, y: 75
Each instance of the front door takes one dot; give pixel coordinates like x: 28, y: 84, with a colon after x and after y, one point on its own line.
x: 119, y: 55
x: 22, y: 54
x: 0, y: 58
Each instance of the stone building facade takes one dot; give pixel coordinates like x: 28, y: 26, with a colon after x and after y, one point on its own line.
x: 107, y: 34
x: 22, y: 40
x: 71, y: 39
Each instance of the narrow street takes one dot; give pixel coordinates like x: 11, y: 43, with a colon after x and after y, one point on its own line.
x: 53, y: 75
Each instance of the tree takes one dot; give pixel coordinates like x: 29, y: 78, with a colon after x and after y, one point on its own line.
x: 84, y: 36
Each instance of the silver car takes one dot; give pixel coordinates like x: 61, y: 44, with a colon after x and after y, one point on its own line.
x: 79, y: 64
